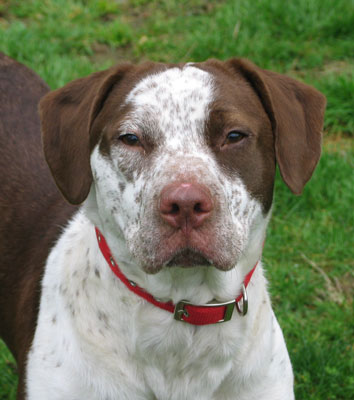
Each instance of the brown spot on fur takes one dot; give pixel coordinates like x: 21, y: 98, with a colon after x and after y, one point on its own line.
x: 122, y: 186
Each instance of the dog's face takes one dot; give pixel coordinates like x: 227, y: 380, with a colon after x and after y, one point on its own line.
x: 181, y: 159
x: 180, y: 129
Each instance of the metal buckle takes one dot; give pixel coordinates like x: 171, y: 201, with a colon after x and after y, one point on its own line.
x: 242, y: 311
x: 180, y: 311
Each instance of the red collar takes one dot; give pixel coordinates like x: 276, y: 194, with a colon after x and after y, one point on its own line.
x: 202, y: 314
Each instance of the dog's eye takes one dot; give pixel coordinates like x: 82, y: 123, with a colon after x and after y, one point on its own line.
x: 130, y: 139
x: 234, y: 137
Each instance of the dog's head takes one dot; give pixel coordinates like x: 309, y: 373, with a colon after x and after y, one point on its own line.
x: 180, y: 160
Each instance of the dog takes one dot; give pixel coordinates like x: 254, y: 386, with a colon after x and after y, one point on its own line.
x: 142, y: 277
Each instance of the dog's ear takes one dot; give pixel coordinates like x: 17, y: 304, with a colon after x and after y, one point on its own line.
x: 296, y: 112
x: 67, y: 115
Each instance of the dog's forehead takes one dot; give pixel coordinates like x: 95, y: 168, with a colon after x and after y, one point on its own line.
x: 175, y: 101
x: 178, y: 84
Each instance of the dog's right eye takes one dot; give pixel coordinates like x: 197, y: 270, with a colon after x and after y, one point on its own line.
x: 130, y: 139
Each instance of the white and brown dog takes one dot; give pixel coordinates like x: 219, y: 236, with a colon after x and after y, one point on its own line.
x: 141, y: 293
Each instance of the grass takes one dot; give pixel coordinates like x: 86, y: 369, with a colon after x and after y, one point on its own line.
x: 8, y: 378
x: 309, y: 253
x: 309, y: 249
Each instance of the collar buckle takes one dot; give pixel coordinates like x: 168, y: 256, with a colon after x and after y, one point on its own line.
x: 182, y: 314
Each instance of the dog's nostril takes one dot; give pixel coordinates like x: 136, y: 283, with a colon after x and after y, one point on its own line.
x: 198, y: 208
x: 174, y: 209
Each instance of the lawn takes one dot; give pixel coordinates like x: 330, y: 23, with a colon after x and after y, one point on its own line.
x: 309, y: 248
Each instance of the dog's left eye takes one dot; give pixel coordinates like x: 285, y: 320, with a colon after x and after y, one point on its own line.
x: 234, y: 137
x: 130, y: 139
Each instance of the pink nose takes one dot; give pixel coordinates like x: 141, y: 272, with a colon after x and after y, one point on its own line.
x: 185, y: 205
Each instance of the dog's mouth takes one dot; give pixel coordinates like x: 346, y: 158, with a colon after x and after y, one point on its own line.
x: 201, y: 248
x: 188, y: 258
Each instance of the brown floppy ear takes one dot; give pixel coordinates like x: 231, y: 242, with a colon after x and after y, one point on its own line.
x: 296, y: 112
x: 67, y: 115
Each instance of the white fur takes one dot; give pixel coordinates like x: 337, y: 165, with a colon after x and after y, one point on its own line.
x: 95, y: 339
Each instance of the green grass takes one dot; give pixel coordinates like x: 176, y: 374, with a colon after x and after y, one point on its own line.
x: 310, y: 258
x: 57, y: 38
x: 309, y: 249
x: 8, y: 379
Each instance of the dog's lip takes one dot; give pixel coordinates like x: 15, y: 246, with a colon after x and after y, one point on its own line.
x: 199, y: 248
x: 189, y: 250
x: 187, y: 257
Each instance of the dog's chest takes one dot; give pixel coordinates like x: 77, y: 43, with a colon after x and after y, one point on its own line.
x: 96, y: 340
